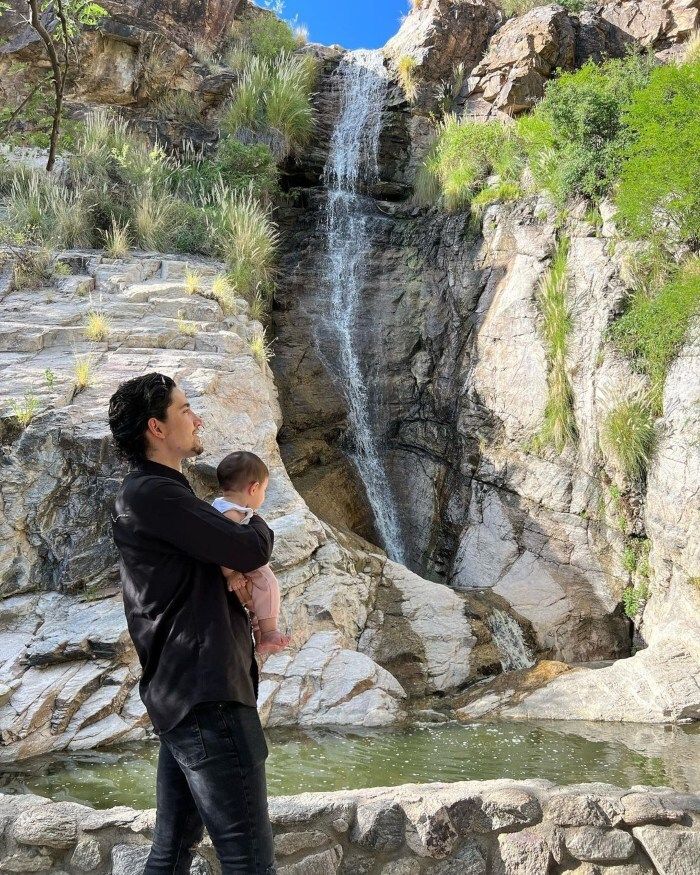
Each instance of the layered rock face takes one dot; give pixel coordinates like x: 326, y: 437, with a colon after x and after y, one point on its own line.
x: 69, y: 673
x: 465, y: 828
x: 456, y: 376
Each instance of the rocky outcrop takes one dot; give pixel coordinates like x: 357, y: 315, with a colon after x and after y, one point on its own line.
x: 657, y: 25
x: 521, y: 57
x: 68, y: 675
x: 438, y: 35
x: 465, y: 828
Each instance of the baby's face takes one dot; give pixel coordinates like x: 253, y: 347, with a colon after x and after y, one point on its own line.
x: 256, y: 493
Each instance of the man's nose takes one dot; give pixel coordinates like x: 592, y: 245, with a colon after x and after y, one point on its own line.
x: 198, y: 421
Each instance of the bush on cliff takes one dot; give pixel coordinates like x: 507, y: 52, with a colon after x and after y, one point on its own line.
x: 272, y: 102
x: 576, y: 139
x: 264, y: 35
x: 655, y: 325
x: 660, y: 179
x: 461, y: 158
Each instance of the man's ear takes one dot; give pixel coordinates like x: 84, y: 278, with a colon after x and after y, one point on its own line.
x: 155, y: 428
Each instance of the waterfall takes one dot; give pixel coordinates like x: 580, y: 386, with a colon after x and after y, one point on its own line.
x: 508, y: 637
x: 352, y: 159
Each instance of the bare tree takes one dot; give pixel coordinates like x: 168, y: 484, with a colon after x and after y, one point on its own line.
x: 69, y: 16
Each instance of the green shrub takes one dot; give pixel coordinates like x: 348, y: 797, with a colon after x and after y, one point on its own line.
x: 575, y: 138
x: 263, y: 35
x: 46, y: 211
x: 628, y: 436
x: 499, y: 192
x: 243, y: 234
x: 462, y: 156
x: 190, y: 232
x: 654, y: 327
x: 247, y: 167
x: 633, y: 598
x: 559, y: 426
x: 660, y: 179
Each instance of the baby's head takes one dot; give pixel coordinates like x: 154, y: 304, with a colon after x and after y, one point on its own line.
x: 245, y: 476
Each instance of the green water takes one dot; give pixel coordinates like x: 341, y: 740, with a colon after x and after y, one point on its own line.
x: 324, y: 760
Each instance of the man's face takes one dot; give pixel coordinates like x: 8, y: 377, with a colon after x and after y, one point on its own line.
x: 179, y: 431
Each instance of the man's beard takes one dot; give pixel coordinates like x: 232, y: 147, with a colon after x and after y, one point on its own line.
x: 198, y: 448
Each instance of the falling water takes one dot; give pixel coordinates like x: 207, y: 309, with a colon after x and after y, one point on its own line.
x: 353, y: 159
x: 508, y: 637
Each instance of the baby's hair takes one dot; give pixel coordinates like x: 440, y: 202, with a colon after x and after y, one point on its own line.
x: 239, y: 469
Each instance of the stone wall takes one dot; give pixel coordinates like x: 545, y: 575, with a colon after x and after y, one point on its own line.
x: 466, y: 828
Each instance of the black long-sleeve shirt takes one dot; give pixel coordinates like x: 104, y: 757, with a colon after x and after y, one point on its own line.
x: 192, y: 636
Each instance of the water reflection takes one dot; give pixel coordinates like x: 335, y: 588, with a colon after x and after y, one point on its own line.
x: 299, y: 761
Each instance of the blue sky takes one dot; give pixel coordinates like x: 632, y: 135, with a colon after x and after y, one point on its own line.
x: 355, y: 24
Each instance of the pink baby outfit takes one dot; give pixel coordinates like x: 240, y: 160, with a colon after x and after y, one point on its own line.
x: 266, y: 589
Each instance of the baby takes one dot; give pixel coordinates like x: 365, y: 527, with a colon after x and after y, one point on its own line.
x: 243, y: 478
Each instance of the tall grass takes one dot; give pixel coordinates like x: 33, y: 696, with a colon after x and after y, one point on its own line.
x: 97, y: 326
x: 274, y: 96
x: 49, y: 212
x: 116, y: 240
x: 152, y: 218
x: 406, y: 72
x: 628, y: 435
x: 261, y: 348
x: 559, y: 426
x: 460, y: 159
x: 246, y: 237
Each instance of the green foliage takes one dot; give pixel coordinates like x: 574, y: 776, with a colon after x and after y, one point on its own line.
x: 628, y: 435
x: 462, y: 156
x: 406, y: 72
x: 244, y: 235
x: 660, y: 179
x: 575, y: 139
x: 25, y: 410
x: 497, y: 193
x: 247, y: 167
x: 633, y: 599
x: 263, y: 35
x: 559, y: 426
x: 273, y: 98
x: 654, y: 327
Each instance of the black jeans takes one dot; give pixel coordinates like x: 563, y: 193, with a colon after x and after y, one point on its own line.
x: 211, y: 773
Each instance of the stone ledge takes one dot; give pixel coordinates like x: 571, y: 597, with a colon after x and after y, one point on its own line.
x: 497, y: 827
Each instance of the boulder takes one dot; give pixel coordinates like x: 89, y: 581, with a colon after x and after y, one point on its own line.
x: 674, y: 851
x: 521, y: 57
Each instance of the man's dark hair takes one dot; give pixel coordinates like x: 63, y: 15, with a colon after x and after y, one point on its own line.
x: 130, y: 408
x: 239, y: 469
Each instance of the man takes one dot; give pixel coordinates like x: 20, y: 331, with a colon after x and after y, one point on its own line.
x: 193, y: 638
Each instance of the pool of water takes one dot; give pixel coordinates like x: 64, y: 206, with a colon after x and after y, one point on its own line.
x: 564, y: 753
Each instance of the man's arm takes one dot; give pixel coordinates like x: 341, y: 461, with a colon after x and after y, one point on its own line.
x: 171, y: 512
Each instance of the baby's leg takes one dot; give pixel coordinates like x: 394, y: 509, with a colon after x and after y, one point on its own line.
x: 266, y: 604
